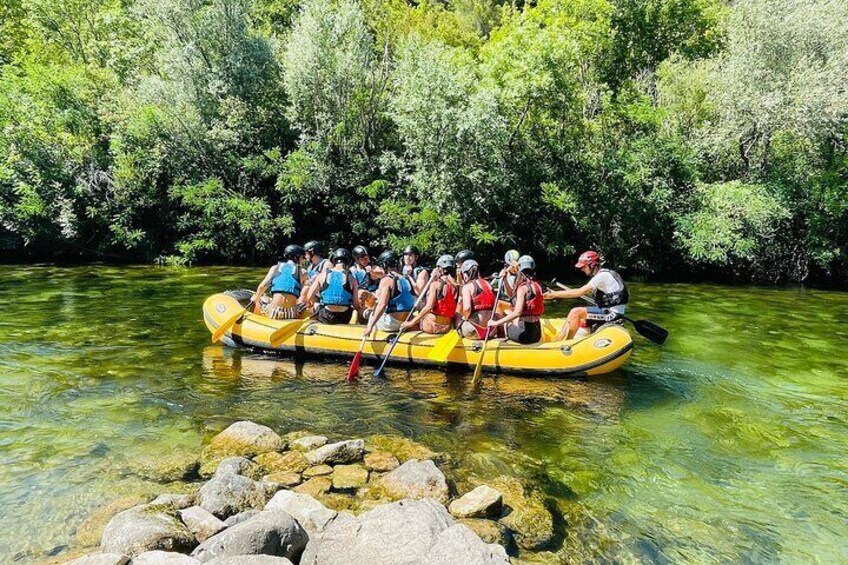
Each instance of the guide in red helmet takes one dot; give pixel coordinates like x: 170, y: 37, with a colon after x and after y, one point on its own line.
x: 607, y: 289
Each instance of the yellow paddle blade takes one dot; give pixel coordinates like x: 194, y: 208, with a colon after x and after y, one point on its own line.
x: 288, y: 330
x: 479, y: 366
x: 226, y: 326
x: 443, y: 347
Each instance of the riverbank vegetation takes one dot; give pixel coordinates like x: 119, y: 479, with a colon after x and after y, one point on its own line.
x: 677, y: 136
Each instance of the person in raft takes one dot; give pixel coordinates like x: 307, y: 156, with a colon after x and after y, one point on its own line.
x: 460, y: 258
x: 416, y: 273
x: 337, y: 288
x: 436, y: 317
x: 606, y: 287
x: 507, y: 281
x: 478, y: 299
x: 367, y: 278
x: 395, y: 297
x: 286, y: 280
x: 523, y: 322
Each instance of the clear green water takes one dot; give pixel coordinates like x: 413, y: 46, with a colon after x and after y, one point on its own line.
x: 727, y: 445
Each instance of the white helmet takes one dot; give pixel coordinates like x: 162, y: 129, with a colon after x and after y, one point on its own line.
x: 526, y: 263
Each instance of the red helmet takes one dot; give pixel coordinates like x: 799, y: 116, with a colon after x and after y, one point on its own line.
x: 590, y: 258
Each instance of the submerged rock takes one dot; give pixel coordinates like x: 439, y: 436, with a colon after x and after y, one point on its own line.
x: 164, y: 558
x: 246, y: 439
x: 101, y: 559
x: 349, y: 477
x: 178, y: 501
x: 381, y: 462
x: 308, y: 443
x: 90, y: 531
x: 488, y: 530
x: 415, y: 479
x: 402, y: 448
x: 349, y: 451
x: 482, y: 502
x: 145, y: 528
x: 168, y: 468
x: 228, y: 494
x: 405, y: 532
x: 271, y: 532
x: 525, y: 514
x: 289, y: 462
x: 200, y: 522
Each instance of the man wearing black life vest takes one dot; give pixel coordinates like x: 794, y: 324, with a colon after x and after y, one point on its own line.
x: 607, y: 288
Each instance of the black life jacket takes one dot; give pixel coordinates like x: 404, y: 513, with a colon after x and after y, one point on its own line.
x: 608, y: 300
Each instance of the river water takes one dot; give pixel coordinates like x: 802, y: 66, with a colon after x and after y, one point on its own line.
x: 727, y: 445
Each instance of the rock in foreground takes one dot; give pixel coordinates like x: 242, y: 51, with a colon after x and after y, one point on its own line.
x: 349, y: 451
x: 409, y: 532
x: 146, y: 528
x: 482, y: 502
x: 271, y: 532
x: 415, y: 479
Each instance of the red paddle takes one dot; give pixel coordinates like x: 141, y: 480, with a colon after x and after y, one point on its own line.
x: 354, y: 364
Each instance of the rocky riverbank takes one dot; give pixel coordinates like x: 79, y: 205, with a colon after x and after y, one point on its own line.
x: 300, y: 498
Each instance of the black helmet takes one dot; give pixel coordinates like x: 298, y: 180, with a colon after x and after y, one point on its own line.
x: 447, y: 264
x: 341, y: 255
x: 388, y: 258
x: 413, y: 250
x: 293, y: 251
x: 313, y: 246
x: 463, y: 256
x: 360, y: 251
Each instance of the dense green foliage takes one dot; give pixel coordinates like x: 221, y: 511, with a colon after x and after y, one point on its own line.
x: 675, y: 136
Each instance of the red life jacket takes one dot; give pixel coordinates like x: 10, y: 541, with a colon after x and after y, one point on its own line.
x: 445, y: 300
x: 534, y: 302
x: 483, y: 297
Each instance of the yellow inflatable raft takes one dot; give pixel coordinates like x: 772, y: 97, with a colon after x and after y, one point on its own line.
x: 601, y: 352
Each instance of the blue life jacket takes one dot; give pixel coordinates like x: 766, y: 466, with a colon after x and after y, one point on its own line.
x: 313, y: 270
x: 364, y: 280
x: 402, y: 298
x: 287, y: 280
x: 336, y: 290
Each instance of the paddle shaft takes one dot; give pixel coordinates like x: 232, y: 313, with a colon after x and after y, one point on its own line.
x: 379, y: 370
x: 479, y: 366
x: 219, y: 333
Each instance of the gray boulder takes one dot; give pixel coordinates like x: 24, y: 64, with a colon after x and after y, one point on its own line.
x: 408, y: 532
x: 146, y: 528
x: 240, y: 517
x: 271, y: 532
x: 200, y: 522
x: 101, y: 559
x: 245, y: 438
x: 227, y: 494
x: 308, y: 443
x: 482, y: 502
x: 349, y: 451
x: 415, y: 479
x: 309, y: 513
x: 251, y: 560
x: 238, y: 466
x: 163, y: 558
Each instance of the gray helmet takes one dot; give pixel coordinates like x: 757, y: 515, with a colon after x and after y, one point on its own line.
x: 526, y: 263
x: 341, y: 255
x: 470, y: 268
x: 447, y: 264
x: 360, y: 251
x: 511, y: 257
x: 293, y: 251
